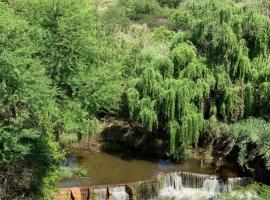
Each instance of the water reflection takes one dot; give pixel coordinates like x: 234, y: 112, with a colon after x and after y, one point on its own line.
x: 104, y: 168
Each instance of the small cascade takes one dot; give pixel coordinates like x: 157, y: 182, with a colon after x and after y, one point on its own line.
x: 119, y: 193
x: 101, y: 193
x: 182, y: 186
x: 215, y: 185
x: 192, y: 180
x: 185, y: 179
x: 173, y: 180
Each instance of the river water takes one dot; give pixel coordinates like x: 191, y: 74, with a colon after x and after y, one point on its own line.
x: 108, y: 168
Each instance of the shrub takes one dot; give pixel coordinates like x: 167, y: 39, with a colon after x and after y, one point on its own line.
x: 252, y: 138
x: 138, y: 9
x: 169, y: 3
x: 181, y: 20
x: 115, y: 18
x: 163, y: 34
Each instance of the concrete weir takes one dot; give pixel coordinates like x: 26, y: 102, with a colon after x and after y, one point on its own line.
x: 110, y: 192
x: 171, y: 185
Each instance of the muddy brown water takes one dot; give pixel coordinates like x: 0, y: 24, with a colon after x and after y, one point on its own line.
x: 107, y: 168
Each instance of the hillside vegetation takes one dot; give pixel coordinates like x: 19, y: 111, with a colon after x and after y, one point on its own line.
x: 190, y: 72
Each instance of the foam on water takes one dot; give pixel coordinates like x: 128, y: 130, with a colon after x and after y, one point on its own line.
x: 182, y: 186
x: 119, y: 193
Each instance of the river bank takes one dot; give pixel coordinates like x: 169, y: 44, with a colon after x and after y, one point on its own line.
x: 119, y: 157
x: 117, y: 135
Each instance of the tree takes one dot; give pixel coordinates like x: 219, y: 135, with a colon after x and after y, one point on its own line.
x: 76, y: 52
x: 169, y: 95
x: 29, y: 154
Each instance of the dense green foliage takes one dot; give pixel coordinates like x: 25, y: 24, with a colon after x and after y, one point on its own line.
x: 246, y: 135
x: 217, y: 67
x: 186, y: 71
x: 55, y: 76
x: 75, y: 50
x: 169, y: 93
x: 28, y: 111
x: 170, y: 3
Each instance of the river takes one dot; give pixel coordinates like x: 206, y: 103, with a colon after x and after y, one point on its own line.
x: 108, y: 168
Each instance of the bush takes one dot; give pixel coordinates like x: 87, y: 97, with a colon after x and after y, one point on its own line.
x: 181, y: 20
x: 115, y: 18
x: 163, y: 34
x: 138, y: 9
x: 252, y: 138
x: 169, y: 3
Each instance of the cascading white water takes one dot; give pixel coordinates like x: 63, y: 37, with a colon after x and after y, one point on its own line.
x: 173, y: 180
x: 192, y: 180
x: 101, y: 193
x: 172, y: 183
x: 215, y: 185
x: 119, y: 193
x: 182, y: 186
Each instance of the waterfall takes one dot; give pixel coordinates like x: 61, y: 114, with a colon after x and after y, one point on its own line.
x: 173, y: 180
x: 119, y: 193
x: 181, y: 180
x: 214, y: 185
x: 192, y: 180
x: 101, y: 193
x: 182, y: 186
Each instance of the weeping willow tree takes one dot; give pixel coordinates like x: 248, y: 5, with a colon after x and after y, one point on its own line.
x: 263, y: 97
x: 165, y: 66
x: 181, y: 56
x: 217, y: 66
x: 148, y: 118
x: 150, y: 81
x: 169, y: 104
x: 133, y: 98
x: 256, y: 29
x: 174, y: 130
x: 249, y: 99
x: 166, y: 96
x: 191, y: 127
x: 230, y: 36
